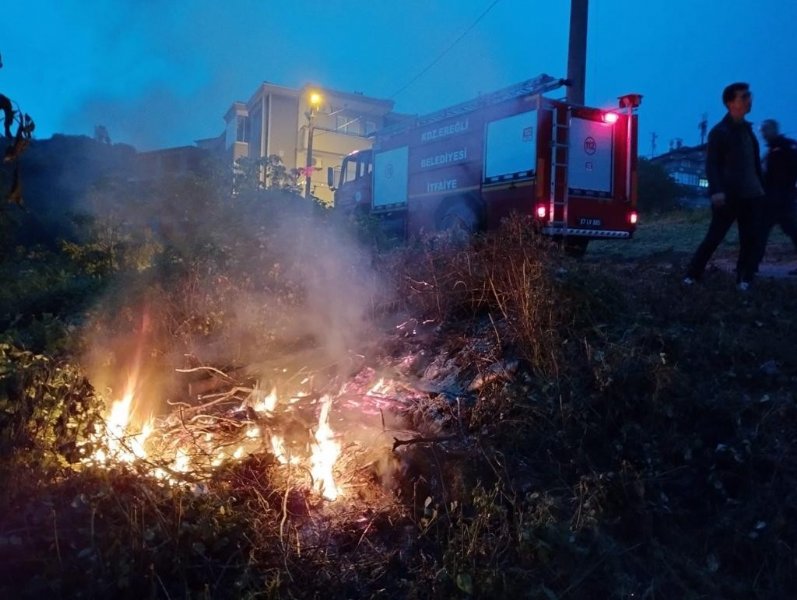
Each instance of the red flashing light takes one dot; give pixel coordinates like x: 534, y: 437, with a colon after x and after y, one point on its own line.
x: 610, y: 117
x: 630, y: 100
x: 541, y: 211
x: 633, y: 218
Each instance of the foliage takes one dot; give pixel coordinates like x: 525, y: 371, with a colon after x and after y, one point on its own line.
x: 110, y: 247
x: 46, y: 409
x: 270, y: 172
x: 42, y: 295
x: 658, y: 192
x: 644, y: 447
x: 15, y: 145
x: 510, y: 277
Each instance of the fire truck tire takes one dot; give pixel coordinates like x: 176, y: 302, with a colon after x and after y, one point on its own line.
x: 459, y: 217
x: 575, y: 247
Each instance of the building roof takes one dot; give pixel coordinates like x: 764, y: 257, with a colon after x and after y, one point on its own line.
x: 684, y: 152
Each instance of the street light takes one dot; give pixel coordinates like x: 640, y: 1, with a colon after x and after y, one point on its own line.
x: 315, y: 101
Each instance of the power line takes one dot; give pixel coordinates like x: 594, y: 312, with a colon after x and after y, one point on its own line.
x: 447, y: 49
x: 431, y: 64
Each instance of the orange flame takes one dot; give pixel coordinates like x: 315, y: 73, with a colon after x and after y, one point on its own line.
x: 325, y: 453
x: 268, y: 403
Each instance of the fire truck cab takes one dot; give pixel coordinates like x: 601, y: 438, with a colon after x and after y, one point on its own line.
x: 572, y: 169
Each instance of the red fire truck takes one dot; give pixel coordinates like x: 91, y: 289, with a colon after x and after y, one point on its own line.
x: 571, y: 168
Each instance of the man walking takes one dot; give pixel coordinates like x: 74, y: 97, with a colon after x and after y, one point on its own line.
x: 780, y: 176
x: 733, y: 168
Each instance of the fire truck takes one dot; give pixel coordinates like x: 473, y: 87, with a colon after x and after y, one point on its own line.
x: 572, y: 169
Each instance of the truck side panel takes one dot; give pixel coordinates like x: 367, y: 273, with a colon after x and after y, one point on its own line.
x: 455, y: 179
x: 460, y: 150
x: 510, y: 147
x: 448, y: 166
x: 445, y: 168
x: 391, y: 179
x: 515, y: 187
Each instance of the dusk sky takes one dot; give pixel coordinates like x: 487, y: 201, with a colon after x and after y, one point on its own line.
x: 160, y: 73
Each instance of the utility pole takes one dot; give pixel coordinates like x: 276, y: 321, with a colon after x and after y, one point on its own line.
x: 703, y: 126
x: 308, y: 169
x: 653, y: 137
x: 577, y: 51
x: 314, y: 103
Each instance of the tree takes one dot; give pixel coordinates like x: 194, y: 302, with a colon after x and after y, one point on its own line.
x: 266, y: 172
x: 15, y: 145
x: 658, y: 192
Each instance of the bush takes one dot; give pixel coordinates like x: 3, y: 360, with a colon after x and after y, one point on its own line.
x: 657, y: 191
x: 47, y: 408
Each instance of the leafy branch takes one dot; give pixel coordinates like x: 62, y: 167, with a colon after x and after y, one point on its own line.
x: 21, y: 140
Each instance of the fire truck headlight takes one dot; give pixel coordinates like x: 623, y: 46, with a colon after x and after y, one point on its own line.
x: 610, y: 117
x: 541, y: 211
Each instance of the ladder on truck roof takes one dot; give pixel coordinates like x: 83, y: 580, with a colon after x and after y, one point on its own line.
x: 538, y: 85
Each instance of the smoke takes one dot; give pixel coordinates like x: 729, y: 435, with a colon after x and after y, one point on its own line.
x: 270, y: 288
x: 146, y: 120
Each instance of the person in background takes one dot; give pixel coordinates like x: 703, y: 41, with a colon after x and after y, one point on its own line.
x: 733, y: 168
x: 780, y: 177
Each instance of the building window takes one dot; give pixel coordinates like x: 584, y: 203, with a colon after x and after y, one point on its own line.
x: 242, y: 129
x: 686, y: 179
x: 370, y: 127
x: 703, y: 182
x: 348, y: 124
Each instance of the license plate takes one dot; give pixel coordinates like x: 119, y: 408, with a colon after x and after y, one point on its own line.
x: 585, y: 222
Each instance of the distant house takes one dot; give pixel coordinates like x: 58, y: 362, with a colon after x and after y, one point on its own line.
x: 276, y: 119
x: 687, y: 166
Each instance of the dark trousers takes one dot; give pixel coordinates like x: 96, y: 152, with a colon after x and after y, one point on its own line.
x: 779, y: 211
x: 741, y: 210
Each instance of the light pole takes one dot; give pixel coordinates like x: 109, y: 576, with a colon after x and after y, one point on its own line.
x: 315, y: 102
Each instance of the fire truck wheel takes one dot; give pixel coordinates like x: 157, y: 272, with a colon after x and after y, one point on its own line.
x: 575, y: 247
x: 459, y: 217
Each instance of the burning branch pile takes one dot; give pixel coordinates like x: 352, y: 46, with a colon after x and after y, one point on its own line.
x: 187, y: 445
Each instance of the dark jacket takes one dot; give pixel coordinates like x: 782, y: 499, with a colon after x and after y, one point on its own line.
x: 780, y: 172
x: 725, y: 156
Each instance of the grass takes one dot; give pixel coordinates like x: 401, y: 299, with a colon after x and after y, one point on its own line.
x: 678, y: 233
x: 642, y: 445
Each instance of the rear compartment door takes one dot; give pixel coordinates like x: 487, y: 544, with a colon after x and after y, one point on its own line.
x: 511, y: 148
x: 590, y: 164
x: 591, y: 171
x: 390, y: 179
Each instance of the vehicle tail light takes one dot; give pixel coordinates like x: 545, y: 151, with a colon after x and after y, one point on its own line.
x: 633, y: 218
x: 541, y: 211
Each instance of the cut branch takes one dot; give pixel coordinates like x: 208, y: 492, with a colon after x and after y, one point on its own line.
x: 422, y: 440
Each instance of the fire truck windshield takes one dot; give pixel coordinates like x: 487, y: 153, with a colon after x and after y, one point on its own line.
x: 355, y: 166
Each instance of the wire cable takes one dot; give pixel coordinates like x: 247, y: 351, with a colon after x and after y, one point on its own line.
x: 447, y: 49
x: 437, y: 59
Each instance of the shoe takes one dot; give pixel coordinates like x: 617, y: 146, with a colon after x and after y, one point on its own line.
x: 688, y: 281
x: 743, y: 286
